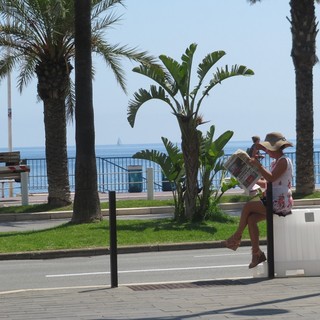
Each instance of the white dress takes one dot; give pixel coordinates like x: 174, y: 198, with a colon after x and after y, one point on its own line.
x: 281, y: 190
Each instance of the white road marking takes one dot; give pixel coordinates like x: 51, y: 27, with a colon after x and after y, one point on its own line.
x: 143, y: 271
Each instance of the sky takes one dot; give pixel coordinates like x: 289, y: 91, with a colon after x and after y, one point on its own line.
x: 257, y: 36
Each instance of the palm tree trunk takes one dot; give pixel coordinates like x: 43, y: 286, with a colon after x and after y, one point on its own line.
x: 56, y: 152
x: 304, y: 31
x: 190, y: 149
x: 86, y: 206
x: 53, y: 78
x: 206, y: 193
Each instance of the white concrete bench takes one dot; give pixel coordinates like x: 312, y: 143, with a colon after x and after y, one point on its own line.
x: 296, y: 244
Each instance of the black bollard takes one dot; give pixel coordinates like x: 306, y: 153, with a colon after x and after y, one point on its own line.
x: 270, y: 246
x: 113, y: 239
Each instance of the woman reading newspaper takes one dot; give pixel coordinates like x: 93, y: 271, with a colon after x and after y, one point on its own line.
x: 280, y: 175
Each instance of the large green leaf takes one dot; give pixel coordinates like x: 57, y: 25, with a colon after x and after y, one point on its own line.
x: 175, y: 71
x: 226, y: 73
x: 157, y: 74
x: 222, y: 140
x: 176, y: 171
x: 143, y: 96
x: 220, y: 75
x: 152, y: 155
x: 207, y: 63
x: 171, y: 163
x: 187, y: 59
x: 181, y: 73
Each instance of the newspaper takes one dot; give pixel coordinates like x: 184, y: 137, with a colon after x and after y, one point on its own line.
x: 246, y: 174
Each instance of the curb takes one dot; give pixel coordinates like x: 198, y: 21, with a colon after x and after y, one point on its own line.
x: 9, y: 217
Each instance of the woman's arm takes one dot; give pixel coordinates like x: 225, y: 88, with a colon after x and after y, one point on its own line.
x: 276, y: 173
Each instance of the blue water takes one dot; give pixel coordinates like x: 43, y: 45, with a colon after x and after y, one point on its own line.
x: 127, y: 150
x: 116, y: 168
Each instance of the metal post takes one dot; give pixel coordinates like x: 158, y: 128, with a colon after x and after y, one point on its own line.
x: 150, y: 191
x: 270, y: 246
x: 9, y: 116
x: 24, y: 188
x: 113, y: 239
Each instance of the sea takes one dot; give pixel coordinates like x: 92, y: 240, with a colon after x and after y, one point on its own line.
x: 115, y: 159
x: 127, y: 150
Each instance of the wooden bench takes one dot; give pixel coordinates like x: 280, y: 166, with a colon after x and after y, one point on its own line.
x: 13, y: 169
x: 10, y: 158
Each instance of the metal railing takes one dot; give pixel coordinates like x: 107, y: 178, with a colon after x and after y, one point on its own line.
x: 121, y: 174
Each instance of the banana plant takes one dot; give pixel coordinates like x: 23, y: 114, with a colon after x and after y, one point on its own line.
x: 173, y: 87
x: 211, y: 163
x: 172, y: 166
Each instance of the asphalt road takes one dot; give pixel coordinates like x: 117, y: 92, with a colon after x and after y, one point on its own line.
x: 137, y: 268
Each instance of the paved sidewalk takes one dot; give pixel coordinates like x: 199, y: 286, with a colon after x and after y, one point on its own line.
x: 250, y: 298
x: 280, y: 298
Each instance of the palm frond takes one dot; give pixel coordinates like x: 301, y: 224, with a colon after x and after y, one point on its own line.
x: 143, y: 96
x: 101, y: 6
x: 152, y: 155
x: 27, y: 67
x: 31, y: 19
x: 6, y: 65
x: 203, y: 68
x: 113, y: 55
x: 174, y: 68
x: 70, y: 101
x: 187, y: 59
x: 112, y: 60
x: 157, y: 74
x: 223, y: 74
x: 172, y: 150
x: 206, y: 141
x: 171, y: 164
x: 208, y: 62
x: 174, y: 168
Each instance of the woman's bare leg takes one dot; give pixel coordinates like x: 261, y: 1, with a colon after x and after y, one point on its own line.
x: 254, y: 230
x: 257, y: 255
x: 250, y: 208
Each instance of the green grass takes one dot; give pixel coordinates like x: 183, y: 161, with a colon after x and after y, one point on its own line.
x: 129, y: 233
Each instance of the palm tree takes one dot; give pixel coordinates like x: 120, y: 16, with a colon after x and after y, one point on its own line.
x: 174, y: 80
x: 86, y: 206
x: 40, y: 36
x: 303, y: 53
x: 304, y: 31
x: 37, y: 34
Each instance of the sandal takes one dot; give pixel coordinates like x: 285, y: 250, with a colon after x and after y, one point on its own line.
x: 232, y: 243
x: 257, y: 258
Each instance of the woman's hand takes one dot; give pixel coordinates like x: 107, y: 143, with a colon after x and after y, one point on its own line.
x: 255, y: 162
